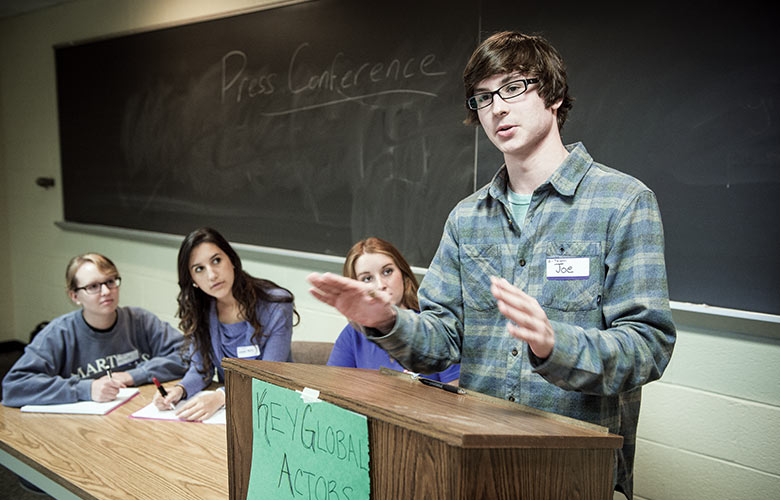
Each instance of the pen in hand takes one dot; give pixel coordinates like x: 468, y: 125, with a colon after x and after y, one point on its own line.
x: 162, y: 390
x: 108, y: 391
x: 441, y: 385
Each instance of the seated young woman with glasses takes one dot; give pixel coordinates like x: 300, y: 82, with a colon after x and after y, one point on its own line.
x: 91, y: 353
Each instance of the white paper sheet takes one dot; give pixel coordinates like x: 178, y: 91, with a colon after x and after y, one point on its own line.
x: 150, y: 411
x: 85, y: 407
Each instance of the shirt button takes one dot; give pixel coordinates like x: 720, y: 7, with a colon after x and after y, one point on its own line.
x: 511, y: 398
x: 522, y: 262
x: 514, y: 352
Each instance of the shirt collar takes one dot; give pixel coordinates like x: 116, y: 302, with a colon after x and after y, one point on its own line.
x: 568, y: 176
x: 565, y: 179
x: 497, y: 187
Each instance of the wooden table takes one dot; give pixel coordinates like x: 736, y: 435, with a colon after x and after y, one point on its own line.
x: 114, y: 456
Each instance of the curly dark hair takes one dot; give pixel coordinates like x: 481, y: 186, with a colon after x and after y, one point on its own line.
x: 195, y: 304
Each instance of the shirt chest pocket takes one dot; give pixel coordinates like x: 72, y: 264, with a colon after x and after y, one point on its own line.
x: 573, y: 275
x: 478, y: 264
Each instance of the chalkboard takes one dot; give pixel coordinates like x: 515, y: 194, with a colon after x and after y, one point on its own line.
x: 684, y: 98
x: 270, y: 127
x: 303, y: 127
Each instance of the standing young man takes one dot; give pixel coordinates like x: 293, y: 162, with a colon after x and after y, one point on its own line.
x: 549, y: 284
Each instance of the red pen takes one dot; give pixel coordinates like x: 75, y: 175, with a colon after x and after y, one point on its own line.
x: 162, y: 390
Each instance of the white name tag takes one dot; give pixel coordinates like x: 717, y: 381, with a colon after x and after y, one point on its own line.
x: 248, y: 351
x: 568, y: 268
x: 127, y: 357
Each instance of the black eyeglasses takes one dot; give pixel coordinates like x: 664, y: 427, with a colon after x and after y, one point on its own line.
x: 94, y: 288
x: 506, y: 92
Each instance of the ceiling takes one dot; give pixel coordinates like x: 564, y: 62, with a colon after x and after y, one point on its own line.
x: 11, y: 8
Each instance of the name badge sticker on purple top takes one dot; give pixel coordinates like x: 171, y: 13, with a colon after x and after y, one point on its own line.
x: 568, y: 268
x: 248, y: 351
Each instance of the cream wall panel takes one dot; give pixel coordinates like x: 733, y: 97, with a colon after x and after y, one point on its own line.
x: 620, y: 496
x: 667, y: 473
x: 731, y: 429
x: 730, y: 364
x: 159, y: 296
x: 317, y: 326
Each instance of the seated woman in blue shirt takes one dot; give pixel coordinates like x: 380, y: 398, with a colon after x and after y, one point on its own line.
x: 225, y: 313
x: 377, y: 261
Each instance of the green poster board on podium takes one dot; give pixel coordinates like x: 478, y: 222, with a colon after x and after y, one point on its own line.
x: 303, y: 447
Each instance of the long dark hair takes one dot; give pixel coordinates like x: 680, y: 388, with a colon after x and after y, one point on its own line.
x: 195, y: 304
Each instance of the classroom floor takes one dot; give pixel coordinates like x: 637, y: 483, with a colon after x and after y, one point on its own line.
x: 10, y: 487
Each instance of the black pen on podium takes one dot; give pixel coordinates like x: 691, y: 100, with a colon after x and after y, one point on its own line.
x: 441, y: 385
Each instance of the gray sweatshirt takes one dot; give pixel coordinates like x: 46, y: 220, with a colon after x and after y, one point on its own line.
x: 58, y: 366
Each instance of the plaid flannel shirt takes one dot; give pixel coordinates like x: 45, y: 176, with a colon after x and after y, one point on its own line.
x: 613, y: 330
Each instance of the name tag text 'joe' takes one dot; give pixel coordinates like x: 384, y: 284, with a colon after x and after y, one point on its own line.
x: 568, y: 268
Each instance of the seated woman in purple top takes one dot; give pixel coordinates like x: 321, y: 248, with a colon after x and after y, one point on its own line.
x: 225, y: 313
x: 376, y: 261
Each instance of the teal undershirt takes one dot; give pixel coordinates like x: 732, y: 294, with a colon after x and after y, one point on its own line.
x: 519, y: 204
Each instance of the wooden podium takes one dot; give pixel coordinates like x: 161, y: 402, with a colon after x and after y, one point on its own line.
x: 427, y: 443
